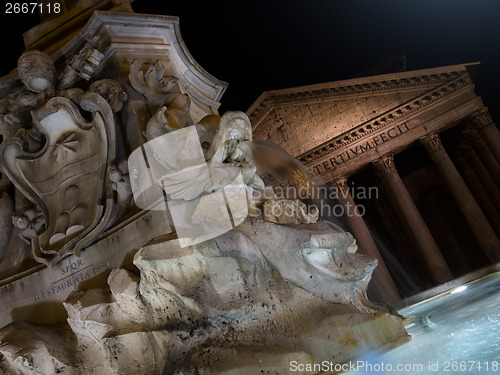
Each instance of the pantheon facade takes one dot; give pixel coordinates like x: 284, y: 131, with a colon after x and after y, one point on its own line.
x: 427, y: 143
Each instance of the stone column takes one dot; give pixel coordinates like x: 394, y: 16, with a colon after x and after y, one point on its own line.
x: 429, y: 251
x: 357, y: 225
x: 478, y: 190
x: 483, y: 122
x: 489, y: 186
x: 474, y: 138
x: 480, y: 226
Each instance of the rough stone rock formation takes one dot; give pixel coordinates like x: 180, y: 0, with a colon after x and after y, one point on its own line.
x: 249, y: 301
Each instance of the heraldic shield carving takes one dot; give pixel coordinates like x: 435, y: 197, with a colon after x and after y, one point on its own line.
x: 66, y: 179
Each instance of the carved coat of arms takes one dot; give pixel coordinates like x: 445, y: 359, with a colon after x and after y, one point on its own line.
x: 66, y: 179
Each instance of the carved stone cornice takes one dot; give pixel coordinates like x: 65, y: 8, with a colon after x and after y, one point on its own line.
x: 384, y: 166
x: 432, y: 143
x: 384, y: 120
x: 481, y: 118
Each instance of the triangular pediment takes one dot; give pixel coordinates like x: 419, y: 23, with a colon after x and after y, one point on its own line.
x: 303, y: 118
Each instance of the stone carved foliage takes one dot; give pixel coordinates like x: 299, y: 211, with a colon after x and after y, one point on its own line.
x: 153, y: 84
x: 432, y: 143
x: 341, y: 184
x: 384, y: 166
x: 158, y: 124
x: 466, y: 149
x: 472, y: 133
x: 481, y: 118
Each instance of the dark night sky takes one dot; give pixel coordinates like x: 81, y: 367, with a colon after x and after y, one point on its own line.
x: 265, y: 45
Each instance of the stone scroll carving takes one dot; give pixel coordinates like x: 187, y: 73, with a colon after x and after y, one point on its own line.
x: 66, y: 179
x: 166, y: 97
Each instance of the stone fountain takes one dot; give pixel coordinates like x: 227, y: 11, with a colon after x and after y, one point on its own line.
x: 137, y: 236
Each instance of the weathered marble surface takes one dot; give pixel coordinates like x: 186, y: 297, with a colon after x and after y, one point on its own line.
x: 37, y: 296
x: 90, y: 100
x: 228, y: 305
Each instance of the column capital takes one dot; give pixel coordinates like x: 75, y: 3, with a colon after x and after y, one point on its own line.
x: 432, y: 143
x: 471, y: 132
x: 385, y: 166
x: 480, y: 118
x: 341, y: 183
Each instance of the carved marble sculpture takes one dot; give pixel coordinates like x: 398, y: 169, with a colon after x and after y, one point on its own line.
x: 59, y: 160
x: 224, y: 162
x: 36, y: 71
x: 217, y: 308
x: 165, y: 96
x: 245, y: 293
x: 83, y: 64
x: 67, y: 196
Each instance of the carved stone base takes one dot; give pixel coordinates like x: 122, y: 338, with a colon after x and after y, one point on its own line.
x: 213, y: 308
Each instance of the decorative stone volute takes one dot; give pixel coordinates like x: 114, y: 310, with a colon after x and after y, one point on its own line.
x: 385, y: 165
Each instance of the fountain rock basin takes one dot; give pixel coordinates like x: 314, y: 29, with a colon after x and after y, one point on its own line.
x: 262, y: 297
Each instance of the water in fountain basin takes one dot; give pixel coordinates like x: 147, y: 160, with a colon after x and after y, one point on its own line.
x: 453, y: 333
